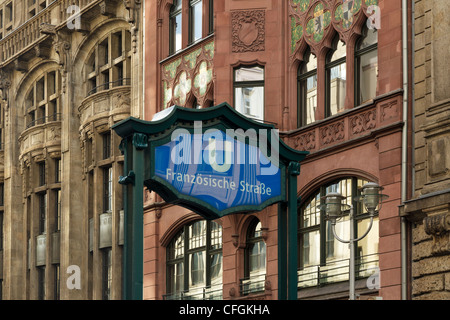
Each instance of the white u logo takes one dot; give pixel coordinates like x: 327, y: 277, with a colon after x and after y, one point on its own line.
x: 225, y: 166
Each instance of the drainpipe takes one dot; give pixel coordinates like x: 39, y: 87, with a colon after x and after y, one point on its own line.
x: 404, y: 145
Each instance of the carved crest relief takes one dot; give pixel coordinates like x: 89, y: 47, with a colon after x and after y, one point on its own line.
x: 248, y: 30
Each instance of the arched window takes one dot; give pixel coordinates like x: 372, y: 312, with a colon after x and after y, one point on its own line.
x: 322, y: 258
x: 175, y: 27
x: 255, y: 260
x: 366, y: 66
x: 336, y: 78
x: 109, y: 64
x: 307, y: 90
x: 43, y: 100
x: 194, y: 262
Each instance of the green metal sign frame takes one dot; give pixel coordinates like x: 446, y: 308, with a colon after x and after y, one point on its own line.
x: 139, y: 139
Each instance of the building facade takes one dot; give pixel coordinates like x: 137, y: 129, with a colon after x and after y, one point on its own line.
x: 329, y: 75
x: 69, y: 71
x: 428, y: 209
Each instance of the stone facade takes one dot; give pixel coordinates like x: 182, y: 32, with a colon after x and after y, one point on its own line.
x: 69, y: 71
x: 428, y: 210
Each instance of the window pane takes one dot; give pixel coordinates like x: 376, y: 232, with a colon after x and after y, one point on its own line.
x: 197, y: 269
x: 337, y: 88
x: 340, y: 51
x: 175, y: 30
x: 177, y: 5
x: 249, y: 74
x: 250, y: 101
x: 176, y: 248
x: 216, y: 269
x: 197, y: 234
x: 176, y: 277
x: 367, y: 247
x: 311, y: 213
x: 368, y: 71
x: 308, y: 98
x: 310, y: 249
x: 311, y: 64
x: 216, y: 236
x: 257, y: 258
x: 197, y: 21
x: 371, y: 38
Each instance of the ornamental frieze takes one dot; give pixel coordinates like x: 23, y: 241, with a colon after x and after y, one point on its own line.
x: 188, y: 76
x: 312, y: 21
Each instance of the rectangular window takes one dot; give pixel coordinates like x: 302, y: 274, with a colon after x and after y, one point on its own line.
x: 211, y: 16
x: 58, y: 210
x: 106, y: 274
x: 9, y: 12
x: 195, y: 23
x: 42, y: 213
x: 107, y: 189
x: 58, y: 170
x: 1, y: 230
x: 42, y: 173
x: 106, y: 145
x: 41, y: 283
x: 57, y: 282
x: 2, y: 192
x: 175, y: 27
x: 249, y: 91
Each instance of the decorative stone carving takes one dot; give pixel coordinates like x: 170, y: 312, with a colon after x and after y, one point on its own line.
x: 389, y: 111
x: 438, y: 226
x: 188, y: 76
x: 363, y: 122
x: 306, y: 141
x: 62, y: 48
x: 5, y: 83
x: 133, y: 7
x: 332, y: 133
x: 248, y: 30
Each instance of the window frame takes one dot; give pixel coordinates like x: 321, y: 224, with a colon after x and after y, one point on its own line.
x: 207, y: 249
x: 106, y: 273
x: 250, y: 84
x: 323, y: 227
x: 359, y: 53
x: 108, y: 189
x: 302, y: 91
x: 109, y: 63
x: 173, y: 14
x: 329, y: 65
x: 192, y: 29
x: 253, y: 237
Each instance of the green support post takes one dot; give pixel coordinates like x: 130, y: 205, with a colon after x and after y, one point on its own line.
x: 293, y: 172
x: 282, y: 251
x: 133, y: 203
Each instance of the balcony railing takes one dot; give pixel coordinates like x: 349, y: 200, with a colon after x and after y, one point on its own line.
x: 205, y: 293
x: 110, y: 85
x: 252, y: 284
x: 51, y: 118
x: 336, y: 271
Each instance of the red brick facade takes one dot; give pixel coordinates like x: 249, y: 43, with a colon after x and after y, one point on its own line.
x: 363, y: 141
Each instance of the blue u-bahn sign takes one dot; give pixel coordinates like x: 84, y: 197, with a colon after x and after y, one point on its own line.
x: 217, y: 169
